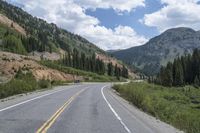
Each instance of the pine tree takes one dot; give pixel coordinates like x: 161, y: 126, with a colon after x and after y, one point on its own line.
x: 195, y: 64
x: 169, y: 75
x: 178, y: 73
x: 83, y: 61
x: 124, y: 72
x: 13, y: 44
x: 75, y: 58
x: 69, y: 59
x: 110, y: 69
x: 185, y: 70
x: 162, y: 75
x: 93, y: 62
x: 196, y: 82
x: 117, y: 72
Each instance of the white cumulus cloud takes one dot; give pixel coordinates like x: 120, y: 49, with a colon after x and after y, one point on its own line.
x: 120, y: 37
x: 70, y: 15
x: 118, y: 5
x: 175, y: 13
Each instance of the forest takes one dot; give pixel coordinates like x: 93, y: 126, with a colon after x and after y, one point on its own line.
x: 184, y: 70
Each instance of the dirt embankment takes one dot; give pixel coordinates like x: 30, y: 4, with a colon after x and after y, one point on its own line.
x: 6, y: 21
x: 10, y: 63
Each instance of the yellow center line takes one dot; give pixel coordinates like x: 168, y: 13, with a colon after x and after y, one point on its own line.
x: 49, y: 123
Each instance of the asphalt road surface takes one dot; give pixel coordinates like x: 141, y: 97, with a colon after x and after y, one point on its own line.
x: 83, y: 108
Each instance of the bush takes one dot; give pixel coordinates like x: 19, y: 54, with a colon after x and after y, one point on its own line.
x: 44, y: 83
x: 22, y: 83
x: 178, y: 106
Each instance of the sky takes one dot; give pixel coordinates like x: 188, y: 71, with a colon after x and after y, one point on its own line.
x: 116, y: 24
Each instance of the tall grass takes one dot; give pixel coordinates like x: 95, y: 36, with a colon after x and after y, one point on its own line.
x: 177, y: 106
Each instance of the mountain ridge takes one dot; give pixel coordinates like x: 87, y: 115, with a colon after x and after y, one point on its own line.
x: 161, y: 49
x: 38, y: 28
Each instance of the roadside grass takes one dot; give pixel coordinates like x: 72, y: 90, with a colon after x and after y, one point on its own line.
x: 178, y: 106
x: 88, y: 76
x: 22, y: 83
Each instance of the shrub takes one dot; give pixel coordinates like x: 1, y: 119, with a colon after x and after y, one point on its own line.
x: 178, y: 106
x: 44, y: 83
x: 22, y: 83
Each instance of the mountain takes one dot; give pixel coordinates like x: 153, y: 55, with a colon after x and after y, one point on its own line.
x: 50, y: 47
x: 111, y: 51
x: 161, y: 49
x: 46, y: 36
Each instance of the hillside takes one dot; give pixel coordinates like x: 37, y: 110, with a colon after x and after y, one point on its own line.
x: 11, y: 63
x: 23, y: 34
x: 41, y: 37
x: 46, y: 37
x: 161, y: 49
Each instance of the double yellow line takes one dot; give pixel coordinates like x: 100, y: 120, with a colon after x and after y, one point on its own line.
x: 49, y: 123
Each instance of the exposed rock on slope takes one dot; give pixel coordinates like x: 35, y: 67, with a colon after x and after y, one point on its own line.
x: 10, y: 63
x: 161, y: 49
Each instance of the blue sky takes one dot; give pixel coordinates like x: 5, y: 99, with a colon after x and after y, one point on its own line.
x: 110, y: 19
x: 116, y: 24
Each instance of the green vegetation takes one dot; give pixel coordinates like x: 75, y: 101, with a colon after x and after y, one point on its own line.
x: 178, y: 106
x: 90, y: 63
x: 183, y: 71
x: 13, y: 44
x: 160, y: 49
x: 81, y: 61
x: 22, y: 83
x: 11, y: 41
x: 88, y: 76
x: 42, y: 36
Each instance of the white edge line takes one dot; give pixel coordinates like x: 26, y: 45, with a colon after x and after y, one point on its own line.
x: 12, y: 106
x: 114, y: 112
x: 129, y: 112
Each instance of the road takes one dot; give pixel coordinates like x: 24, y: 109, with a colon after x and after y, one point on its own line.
x: 84, y: 108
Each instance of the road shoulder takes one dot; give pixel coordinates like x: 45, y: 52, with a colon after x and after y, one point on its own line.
x: 149, y: 121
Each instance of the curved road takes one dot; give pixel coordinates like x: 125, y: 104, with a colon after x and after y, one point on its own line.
x: 84, y: 108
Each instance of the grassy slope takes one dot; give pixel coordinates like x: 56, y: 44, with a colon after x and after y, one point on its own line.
x: 177, y: 106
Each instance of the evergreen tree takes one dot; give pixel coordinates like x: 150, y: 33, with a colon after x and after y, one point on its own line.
x: 13, y: 44
x: 83, y: 61
x: 169, y: 74
x: 69, y: 58
x: 75, y: 58
x: 178, y: 73
x: 124, y: 72
x: 117, y: 72
x: 196, y: 82
x: 110, y: 69
x: 195, y: 64
x: 93, y: 62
